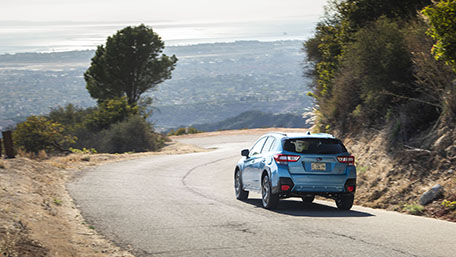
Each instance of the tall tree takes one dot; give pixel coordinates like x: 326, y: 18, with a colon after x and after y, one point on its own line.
x: 360, y: 56
x: 131, y: 63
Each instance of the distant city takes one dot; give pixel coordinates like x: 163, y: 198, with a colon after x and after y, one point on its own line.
x: 211, y: 83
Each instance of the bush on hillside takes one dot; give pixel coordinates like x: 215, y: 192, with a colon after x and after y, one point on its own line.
x: 131, y: 135
x: 375, y: 68
x: 433, y: 77
x: 113, y: 126
x: 183, y: 131
x: 71, y: 117
x: 109, y: 112
x: 39, y: 133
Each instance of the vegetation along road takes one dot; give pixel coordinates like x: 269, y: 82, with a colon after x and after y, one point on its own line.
x: 185, y: 205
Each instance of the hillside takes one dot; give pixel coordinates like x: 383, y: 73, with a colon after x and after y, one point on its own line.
x: 211, y: 82
x: 395, y: 179
x: 384, y: 79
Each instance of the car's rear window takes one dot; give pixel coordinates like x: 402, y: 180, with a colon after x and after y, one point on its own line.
x: 314, y: 146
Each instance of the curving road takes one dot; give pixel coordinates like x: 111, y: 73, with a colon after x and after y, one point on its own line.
x: 184, y: 205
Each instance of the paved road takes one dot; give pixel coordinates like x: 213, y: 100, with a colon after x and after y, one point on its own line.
x: 184, y: 205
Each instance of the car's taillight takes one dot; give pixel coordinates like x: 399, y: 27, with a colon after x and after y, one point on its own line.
x: 285, y: 187
x: 350, y: 160
x: 350, y: 185
x: 285, y: 158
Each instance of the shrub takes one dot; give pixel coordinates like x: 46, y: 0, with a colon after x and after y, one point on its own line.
x: 110, y: 112
x: 374, y: 67
x: 380, y: 61
x: 182, y: 131
x: 132, y: 135
x: 414, y: 209
x: 450, y: 205
x: 433, y: 78
x: 39, y: 133
x: 83, y: 150
x: 70, y: 116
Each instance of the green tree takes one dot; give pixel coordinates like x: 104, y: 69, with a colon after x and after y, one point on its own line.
x: 39, y: 133
x: 131, y: 63
x: 360, y: 12
x: 442, y: 19
x: 361, y: 59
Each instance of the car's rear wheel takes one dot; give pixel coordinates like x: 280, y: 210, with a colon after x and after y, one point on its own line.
x: 345, y: 201
x: 241, y: 194
x: 308, y: 198
x: 269, y: 200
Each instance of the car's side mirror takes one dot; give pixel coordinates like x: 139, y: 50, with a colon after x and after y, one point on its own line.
x: 245, y: 152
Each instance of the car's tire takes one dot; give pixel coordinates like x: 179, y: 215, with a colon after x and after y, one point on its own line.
x: 345, y: 201
x: 308, y: 198
x: 268, y: 199
x: 241, y: 194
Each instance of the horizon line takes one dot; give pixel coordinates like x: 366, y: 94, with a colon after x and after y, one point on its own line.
x: 183, y: 45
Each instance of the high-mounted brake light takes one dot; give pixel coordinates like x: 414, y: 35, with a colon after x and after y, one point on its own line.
x: 285, y: 158
x: 350, y: 160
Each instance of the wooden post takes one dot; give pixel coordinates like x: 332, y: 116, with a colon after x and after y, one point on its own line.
x: 8, y: 143
x: 1, y: 148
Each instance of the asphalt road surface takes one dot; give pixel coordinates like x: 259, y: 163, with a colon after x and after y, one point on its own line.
x: 184, y: 205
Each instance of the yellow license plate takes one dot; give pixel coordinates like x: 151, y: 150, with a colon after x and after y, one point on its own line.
x: 318, y: 166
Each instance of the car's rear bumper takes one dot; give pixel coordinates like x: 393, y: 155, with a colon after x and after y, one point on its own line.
x: 309, y: 183
x: 319, y: 183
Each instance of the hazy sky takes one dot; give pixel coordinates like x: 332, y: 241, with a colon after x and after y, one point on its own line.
x: 63, y: 25
x: 156, y: 10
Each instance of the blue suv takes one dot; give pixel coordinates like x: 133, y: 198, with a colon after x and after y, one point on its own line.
x: 302, y: 165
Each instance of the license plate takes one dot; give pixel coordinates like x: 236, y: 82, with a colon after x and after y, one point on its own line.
x: 318, y: 166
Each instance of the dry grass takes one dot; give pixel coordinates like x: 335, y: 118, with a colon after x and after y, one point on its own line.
x: 42, y: 155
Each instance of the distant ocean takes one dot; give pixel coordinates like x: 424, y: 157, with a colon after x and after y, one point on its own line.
x: 16, y: 36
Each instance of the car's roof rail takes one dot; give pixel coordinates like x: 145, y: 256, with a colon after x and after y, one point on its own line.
x: 277, y: 132
x: 309, y: 135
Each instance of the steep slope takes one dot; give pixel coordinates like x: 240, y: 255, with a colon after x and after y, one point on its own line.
x: 394, y: 178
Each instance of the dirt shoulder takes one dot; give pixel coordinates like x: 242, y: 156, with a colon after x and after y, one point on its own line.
x: 37, y: 215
